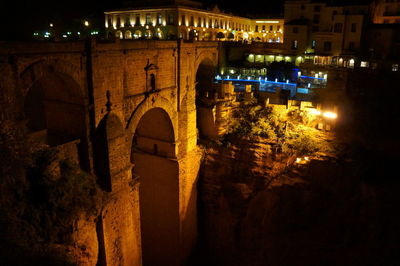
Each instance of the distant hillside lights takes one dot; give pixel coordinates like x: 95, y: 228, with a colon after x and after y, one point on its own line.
x: 55, y: 34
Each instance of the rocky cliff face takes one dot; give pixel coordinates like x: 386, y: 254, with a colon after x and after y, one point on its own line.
x: 256, y: 211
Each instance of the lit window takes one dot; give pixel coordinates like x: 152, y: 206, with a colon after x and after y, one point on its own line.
x: 395, y: 67
x: 148, y: 19
x: 364, y: 64
x: 351, y: 63
x: 294, y: 44
x: 313, y: 44
x: 159, y: 19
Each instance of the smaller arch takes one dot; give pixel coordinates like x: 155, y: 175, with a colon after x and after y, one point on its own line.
x: 183, y: 34
x: 205, y: 99
x: 155, y: 134
x: 119, y: 35
x: 128, y: 34
x: 193, y: 35
x: 160, y: 35
x: 145, y: 106
x: 220, y: 35
x: 148, y: 34
x: 207, y: 36
x: 137, y: 34
x: 54, y: 103
x: 109, y: 145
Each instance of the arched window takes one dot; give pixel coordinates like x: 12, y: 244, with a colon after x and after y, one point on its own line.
x: 148, y: 34
x: 128, y: 34
x: 152, y: 82
x: 119, y: 34
x: 137, y: 34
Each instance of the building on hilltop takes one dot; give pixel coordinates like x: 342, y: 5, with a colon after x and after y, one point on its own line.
x: 327, y: 31
x: 188, y: 20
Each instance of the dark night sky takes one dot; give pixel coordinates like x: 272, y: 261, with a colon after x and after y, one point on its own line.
x: 21, y: 18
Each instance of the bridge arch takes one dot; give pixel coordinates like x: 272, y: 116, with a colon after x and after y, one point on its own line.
x: 205, y: 97
x: 154, y: 158
x: 147, y: 104
x: 42, y: 68
x: 109, y: 150
x: 54, y: 103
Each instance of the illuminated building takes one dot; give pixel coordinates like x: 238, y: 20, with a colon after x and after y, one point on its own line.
x: 326, y: 30
x: 187, y: 20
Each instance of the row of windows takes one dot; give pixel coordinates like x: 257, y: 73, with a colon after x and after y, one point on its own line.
x: 337, y: 28
x: 136, y: 20
x: 271, y: 28
x: 327, y: 45
x: 316, y: 8
x: 215, y: 23
x: 128, y: 21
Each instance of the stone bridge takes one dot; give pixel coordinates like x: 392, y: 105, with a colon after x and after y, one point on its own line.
x: 126, y: 112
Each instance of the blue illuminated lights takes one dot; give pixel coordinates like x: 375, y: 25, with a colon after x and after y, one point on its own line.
x: 261, y: 81
x: 308, y: 77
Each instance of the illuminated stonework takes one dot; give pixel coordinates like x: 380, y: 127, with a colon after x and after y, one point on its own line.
x: 186, y: 20
x: 323, y: 29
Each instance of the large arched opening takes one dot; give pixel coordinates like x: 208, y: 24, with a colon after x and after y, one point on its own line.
x: 156, y: 167
x: 54, y: 108
x: 205, y: 99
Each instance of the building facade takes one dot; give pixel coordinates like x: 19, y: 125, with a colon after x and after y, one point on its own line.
x: 187, y: 20
x: 315, y: 27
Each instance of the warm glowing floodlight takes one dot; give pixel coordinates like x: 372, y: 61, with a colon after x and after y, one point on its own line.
x: 315, y: 112
x: 330, y: 115
x: 86, y: 23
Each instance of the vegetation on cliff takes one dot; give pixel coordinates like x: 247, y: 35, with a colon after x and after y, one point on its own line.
x: 257, y: 207
x: 41, y: 198
x: 291, y: 133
